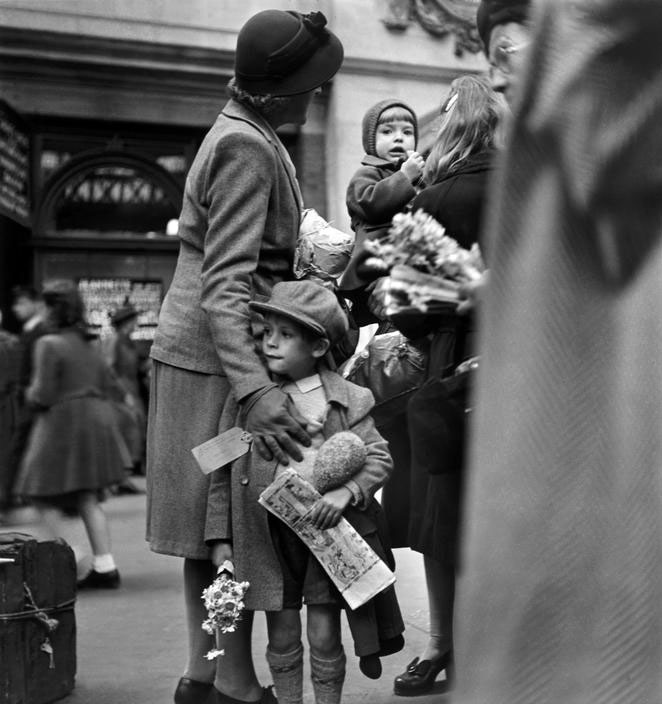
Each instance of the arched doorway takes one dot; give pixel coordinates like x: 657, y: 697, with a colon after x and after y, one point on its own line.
x: 103, y: 220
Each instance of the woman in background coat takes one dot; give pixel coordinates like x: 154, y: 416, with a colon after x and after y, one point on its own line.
x: 459, y: 167
x: 238, y: 229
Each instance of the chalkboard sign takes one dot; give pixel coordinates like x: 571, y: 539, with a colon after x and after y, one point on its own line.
x: 104, y: 296
x: 14, y: 166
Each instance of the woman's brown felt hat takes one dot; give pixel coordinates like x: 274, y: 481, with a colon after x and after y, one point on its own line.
x: 281, y: 52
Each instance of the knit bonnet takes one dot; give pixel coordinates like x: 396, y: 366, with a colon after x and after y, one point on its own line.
x: 371, y: 119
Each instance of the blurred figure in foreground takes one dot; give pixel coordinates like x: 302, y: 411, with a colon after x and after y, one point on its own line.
x: 560, y: 598
x: 74, y: 449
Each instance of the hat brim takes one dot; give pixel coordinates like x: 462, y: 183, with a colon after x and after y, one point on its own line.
x: 320, y: 68
x: 300, y: 320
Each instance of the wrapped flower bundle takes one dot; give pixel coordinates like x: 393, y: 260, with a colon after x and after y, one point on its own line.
x: 427, y: 266
x: 322, y: 251
x: 224, y: 601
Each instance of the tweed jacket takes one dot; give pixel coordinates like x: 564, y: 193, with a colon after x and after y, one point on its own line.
x: 238, y: 229
x: 234, y: 513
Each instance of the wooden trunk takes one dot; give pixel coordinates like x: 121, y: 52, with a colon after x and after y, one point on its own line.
x: 37, y: 620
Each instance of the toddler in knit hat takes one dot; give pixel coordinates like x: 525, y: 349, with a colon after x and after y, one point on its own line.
x: 389, y: 177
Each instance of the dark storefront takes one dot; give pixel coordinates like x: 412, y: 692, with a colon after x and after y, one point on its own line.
x: 97, y: 138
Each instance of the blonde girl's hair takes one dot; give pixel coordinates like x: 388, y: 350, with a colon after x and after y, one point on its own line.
x: 471, y: 117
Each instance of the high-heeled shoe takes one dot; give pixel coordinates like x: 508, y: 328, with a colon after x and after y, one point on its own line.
x: 420, y: 675
x: 190, y: 691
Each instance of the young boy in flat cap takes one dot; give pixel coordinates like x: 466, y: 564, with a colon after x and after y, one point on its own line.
x: 302, y: 319
x: 390, y: 175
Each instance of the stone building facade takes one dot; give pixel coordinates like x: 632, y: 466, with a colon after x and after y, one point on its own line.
x: 104, y: 102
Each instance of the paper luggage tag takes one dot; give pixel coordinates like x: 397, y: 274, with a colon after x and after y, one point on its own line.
x: 223, y: 449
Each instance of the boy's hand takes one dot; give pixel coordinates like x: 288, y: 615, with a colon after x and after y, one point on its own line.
x: 328, y: 510
x: 413, y: 166
x: 220, y: 552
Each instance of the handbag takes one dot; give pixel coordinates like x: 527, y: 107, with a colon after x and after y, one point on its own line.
x: 439, y: 420
x: 393, y: 367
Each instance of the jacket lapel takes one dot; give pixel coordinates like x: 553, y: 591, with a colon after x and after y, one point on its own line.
x: 338, y: 402
x: 236, y: 111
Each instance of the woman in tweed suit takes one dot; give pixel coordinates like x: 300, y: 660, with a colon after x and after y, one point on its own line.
x: 237, y: 229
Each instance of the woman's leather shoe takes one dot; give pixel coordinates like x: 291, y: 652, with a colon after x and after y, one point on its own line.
x: 267, y: 697
x: 420, y: 676
x: 192, y: 692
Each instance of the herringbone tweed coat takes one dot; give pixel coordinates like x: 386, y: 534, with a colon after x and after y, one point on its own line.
x: 561, y: 596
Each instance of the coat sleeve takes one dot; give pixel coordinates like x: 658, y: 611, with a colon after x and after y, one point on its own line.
x: 379, y: 465
x: 239, y: 182
x: 42, y: 389
x: 374, y: 199
x: 218, y: 522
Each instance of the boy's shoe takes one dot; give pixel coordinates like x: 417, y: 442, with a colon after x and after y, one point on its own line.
x: 100, y: 580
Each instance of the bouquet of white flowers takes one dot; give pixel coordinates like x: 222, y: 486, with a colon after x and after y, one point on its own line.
x: 427, y: 267
x: 224, y: 601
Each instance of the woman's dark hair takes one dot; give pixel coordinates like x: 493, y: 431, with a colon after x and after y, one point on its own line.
x: 267, y: 105
x: 471, y: 122
x: 65, y: 305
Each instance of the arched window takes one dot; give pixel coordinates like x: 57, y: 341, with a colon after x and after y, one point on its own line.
x: 108, y: 194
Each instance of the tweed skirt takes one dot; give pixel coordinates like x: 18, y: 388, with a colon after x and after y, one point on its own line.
x: 184, y: 411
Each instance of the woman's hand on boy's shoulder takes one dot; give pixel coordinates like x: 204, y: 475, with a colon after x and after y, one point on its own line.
x: 276, y: 427
x: 327, y: 511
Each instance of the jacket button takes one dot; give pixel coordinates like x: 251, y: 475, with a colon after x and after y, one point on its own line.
x: 244, y: 481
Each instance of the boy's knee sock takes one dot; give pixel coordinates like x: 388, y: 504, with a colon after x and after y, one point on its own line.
x: 287, y: 672
x: 328, y: 677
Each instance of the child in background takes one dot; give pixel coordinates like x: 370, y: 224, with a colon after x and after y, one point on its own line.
x: 389, y: 177
x: 301, y: 321
x: 74, y: 449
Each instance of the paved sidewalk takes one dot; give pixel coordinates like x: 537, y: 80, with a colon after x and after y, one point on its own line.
x: 131, y: 643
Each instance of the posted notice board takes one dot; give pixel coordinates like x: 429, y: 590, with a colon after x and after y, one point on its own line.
x: 14, y: 166
x: 103, y: 296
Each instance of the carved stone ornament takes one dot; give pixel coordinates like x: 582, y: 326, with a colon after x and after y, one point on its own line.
x: 440, y: 18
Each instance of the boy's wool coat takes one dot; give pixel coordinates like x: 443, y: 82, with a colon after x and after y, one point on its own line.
x: 234, y: 512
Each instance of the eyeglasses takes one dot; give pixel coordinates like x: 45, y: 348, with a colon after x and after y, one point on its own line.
x: 502, y: 60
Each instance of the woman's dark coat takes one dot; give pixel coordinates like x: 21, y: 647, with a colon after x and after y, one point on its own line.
x: 422, y: 510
